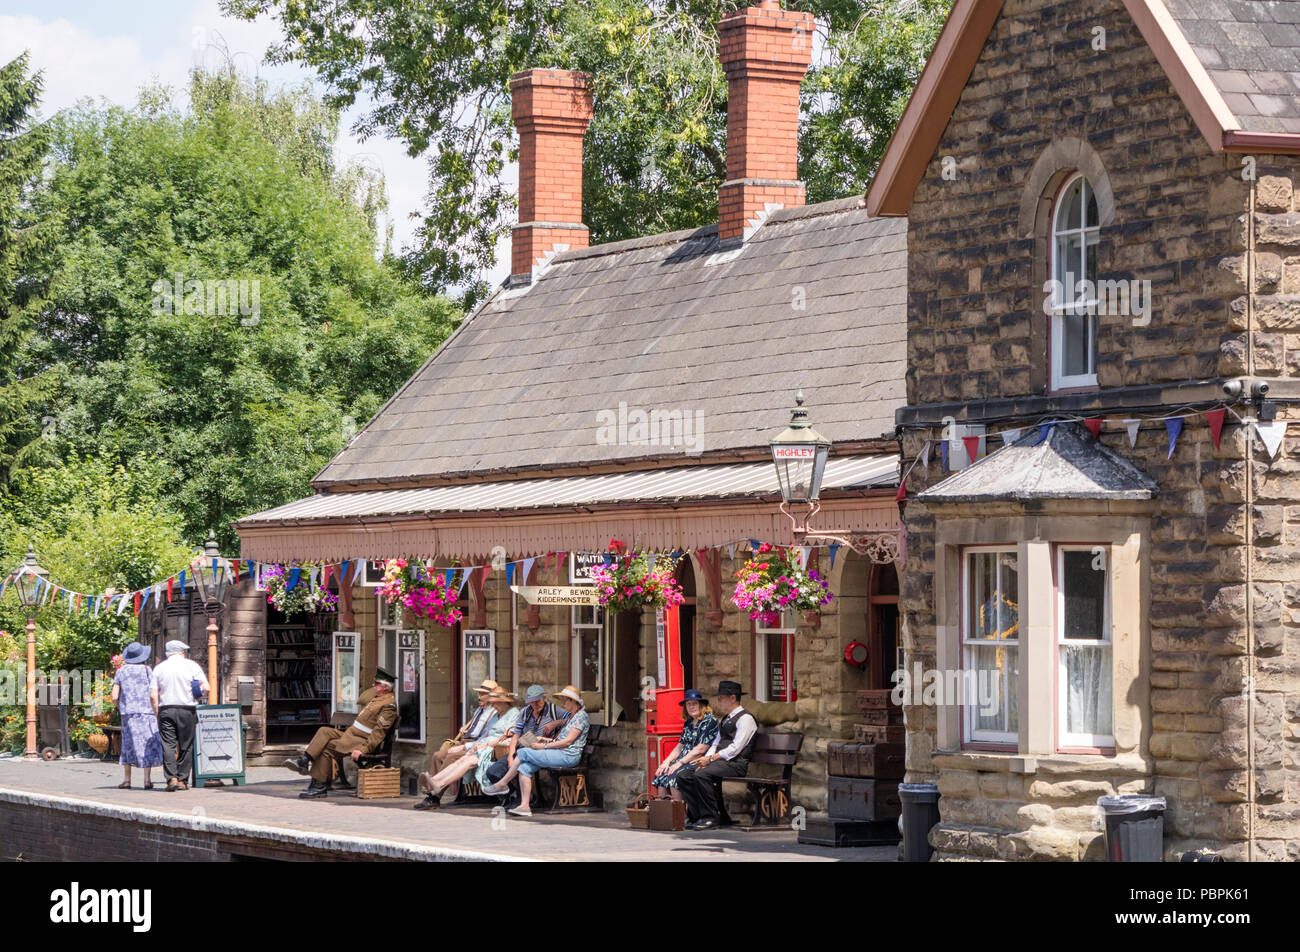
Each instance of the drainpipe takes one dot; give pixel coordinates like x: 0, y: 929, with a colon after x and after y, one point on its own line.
x: 1250, y: 531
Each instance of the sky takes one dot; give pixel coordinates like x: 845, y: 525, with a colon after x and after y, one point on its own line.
x: 110, y: 48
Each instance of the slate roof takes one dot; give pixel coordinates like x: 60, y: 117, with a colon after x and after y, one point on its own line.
x: 1068, y: 464
x: 1251, y: 49
x: 667, y: 323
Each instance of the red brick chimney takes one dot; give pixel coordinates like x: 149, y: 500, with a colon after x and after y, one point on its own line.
x: 765, y: 53
x: 551, y: 109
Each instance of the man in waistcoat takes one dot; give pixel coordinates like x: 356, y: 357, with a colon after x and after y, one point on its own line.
x: 728, y: 757
x: 366, y: 735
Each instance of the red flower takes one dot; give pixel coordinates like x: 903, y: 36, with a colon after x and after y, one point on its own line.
x: 616, y: 546
x: 765, y: 547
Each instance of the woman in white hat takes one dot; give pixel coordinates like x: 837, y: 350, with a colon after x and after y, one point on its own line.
x: 478, y: 756
x: 564, y: 750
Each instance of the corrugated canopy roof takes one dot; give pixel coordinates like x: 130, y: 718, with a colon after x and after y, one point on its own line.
x: 701, y: 483
x: 709, y: 344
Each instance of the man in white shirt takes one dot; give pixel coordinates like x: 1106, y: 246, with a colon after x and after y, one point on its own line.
x: 700, y: 782
x: 172, y: 692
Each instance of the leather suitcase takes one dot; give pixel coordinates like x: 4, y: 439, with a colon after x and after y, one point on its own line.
x: 667, y: 815
x: 854, y: 799
x: 877, y: 734
x: 882, y: 761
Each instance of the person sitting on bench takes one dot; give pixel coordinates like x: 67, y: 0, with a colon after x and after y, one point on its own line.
x: 563, y: 751
x: 475, y: 729
x: 366, y: 734
x: 697, y: 735
x: 539, y: 717
x: 478, y: 757
x: 727, y: 757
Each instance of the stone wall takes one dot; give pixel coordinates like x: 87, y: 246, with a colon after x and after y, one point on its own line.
x: 976, y: 332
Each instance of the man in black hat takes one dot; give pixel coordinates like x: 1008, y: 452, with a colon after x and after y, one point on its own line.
x: 366, y: 734
x: 729, y: 756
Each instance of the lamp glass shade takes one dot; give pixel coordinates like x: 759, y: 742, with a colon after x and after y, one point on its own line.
x: 28, y: 578
x: 209, y: 573
x: 799, y: 469
x: 799, y: 453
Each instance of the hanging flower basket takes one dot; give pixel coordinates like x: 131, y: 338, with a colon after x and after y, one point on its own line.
x: 772, y: 582
x: 301, y: 597
x: 422, y: 593
x: 98, y: 743
x: 628, y: 584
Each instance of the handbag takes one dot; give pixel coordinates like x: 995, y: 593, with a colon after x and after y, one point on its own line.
x: 196, y: 688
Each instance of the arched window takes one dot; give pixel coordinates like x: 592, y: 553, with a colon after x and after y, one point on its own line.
x: 1076, y: 231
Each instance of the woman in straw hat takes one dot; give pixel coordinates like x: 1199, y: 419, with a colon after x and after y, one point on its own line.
x: 478, y: 756
x: 141, y: 742
x: 564, y: 750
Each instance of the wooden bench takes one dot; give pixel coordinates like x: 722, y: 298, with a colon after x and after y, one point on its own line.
x: 771, y: 794
x: 573, y: 791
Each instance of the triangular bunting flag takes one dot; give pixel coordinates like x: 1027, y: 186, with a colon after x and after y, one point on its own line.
x: 182, y: 578
x: 121, y: 604
x: 650, y: 562
x: 943, y: 455
x: 753, y: 545
x: 925, y: 455
x: 294, y: 574
x: 312, y: 579
x: 510, y: 574
x: 1010, y: 436
x: 835, y: 546
x: 1215, y: 419
x: 136, y: 601
x: 1043, y: 432
x: 170, y: 582
x: 447, y: 577
x: 902, y: 492
x: 1272, y: 434
x: 329, y: 573
x: 972, y: 444
x: 528, y: 568
x: 1132, y: 427
x: 803, y: 556
x: 145, y: 602
x: 731, y: 553
x: 343, y: 571
x: 1172, y: 429
x: 1094, y: 427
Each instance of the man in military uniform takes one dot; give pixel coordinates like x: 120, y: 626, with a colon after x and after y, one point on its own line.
x: 367, y: 733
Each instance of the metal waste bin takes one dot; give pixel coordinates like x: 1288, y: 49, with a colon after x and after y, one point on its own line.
x: 1135, y: 828
x: 920, y: 814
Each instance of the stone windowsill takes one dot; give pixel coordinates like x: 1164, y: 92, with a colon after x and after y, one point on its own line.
x: 1127, y: 765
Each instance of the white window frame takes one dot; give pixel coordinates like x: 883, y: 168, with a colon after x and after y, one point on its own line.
x: 386, y: 653
x: 1066, y: 740
x: 970, y: 735
x: 575, y: 645
x: 786, y: 629
x: 1089, y: 235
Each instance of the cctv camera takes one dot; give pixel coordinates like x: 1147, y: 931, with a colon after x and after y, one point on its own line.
x: 1233, y: 389
x: 1259, y: 389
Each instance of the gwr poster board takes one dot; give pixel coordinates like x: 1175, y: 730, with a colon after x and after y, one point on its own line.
x: 219, y: 744
x: 410, y: 686
x: 478, y: 663
x: 344, y: 666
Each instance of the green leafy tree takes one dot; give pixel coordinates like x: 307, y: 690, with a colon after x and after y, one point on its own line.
x: 23, y: 146
x: 216, y: 313
x: 434, y: 74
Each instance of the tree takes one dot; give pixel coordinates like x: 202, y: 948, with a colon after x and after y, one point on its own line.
x: 216, y: 314
x: 436, y: 74
x: 23, y: 145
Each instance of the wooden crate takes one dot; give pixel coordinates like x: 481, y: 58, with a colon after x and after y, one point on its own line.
x: 879, y: 734
x: 379, y: 783
x: 876, y: 699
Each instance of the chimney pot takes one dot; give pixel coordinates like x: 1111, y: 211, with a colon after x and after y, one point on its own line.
x: 765, y: 53
x: 551, y: 109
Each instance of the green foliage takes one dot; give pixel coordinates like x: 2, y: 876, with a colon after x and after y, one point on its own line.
x: 226, y: 406
x: 97, y: 529
x: 23, y: 236
x: 437, y: 73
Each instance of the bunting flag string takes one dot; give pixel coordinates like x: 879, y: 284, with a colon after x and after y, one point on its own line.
x: 1172, y: 429
x: 1215, y: 419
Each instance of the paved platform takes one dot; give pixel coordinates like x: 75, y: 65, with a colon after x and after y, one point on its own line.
x: 268, y: 807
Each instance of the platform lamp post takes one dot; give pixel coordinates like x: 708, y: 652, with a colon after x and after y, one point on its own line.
x: 28, y: 581
x: 799, y: 453
x: 210, y: 579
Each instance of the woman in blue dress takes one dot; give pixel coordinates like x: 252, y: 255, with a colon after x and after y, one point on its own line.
x: 141, y: 744
x: 697, y: 736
